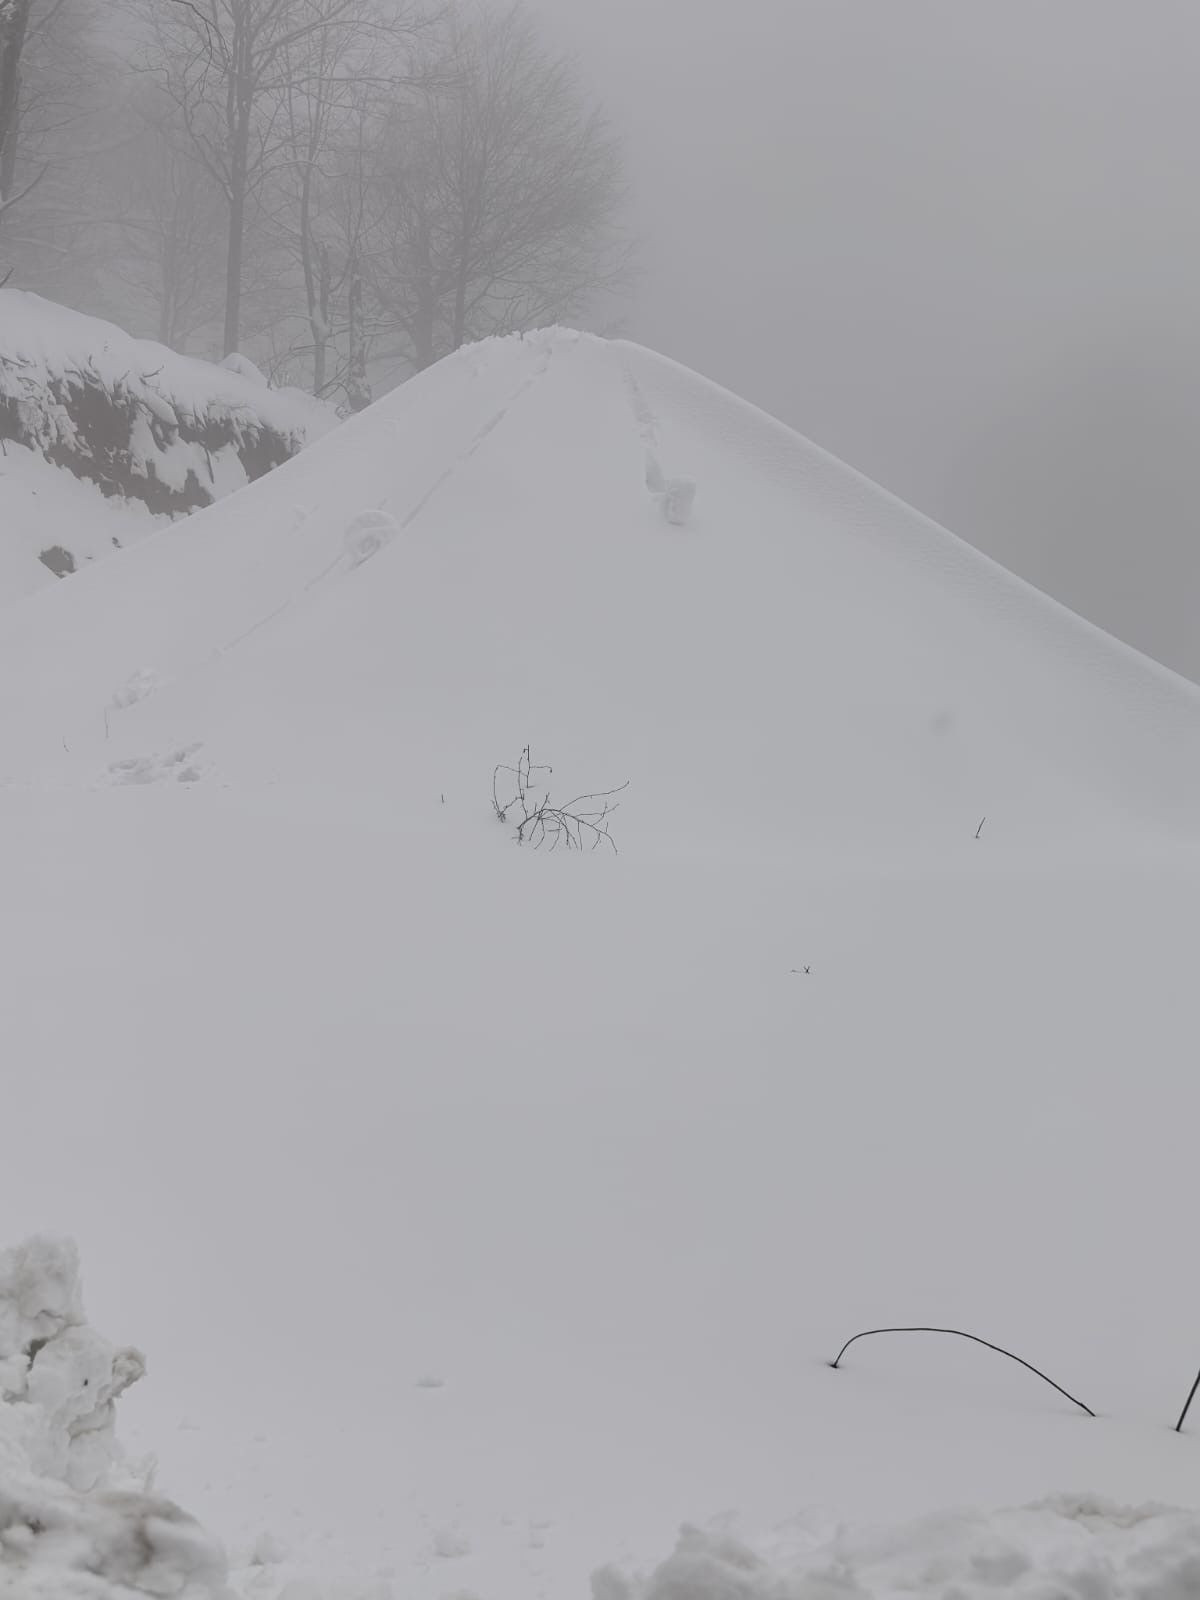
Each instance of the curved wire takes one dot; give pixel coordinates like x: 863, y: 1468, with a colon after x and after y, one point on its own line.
x: 999, y: 1349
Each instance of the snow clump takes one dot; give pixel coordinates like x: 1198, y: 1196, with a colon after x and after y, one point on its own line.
x: 75, y: 1524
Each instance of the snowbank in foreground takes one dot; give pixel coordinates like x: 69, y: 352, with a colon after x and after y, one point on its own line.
x: 1066, y: 1548
x: 75, y: 1523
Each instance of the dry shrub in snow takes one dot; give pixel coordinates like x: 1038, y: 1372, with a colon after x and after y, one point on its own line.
x: 579, y: 823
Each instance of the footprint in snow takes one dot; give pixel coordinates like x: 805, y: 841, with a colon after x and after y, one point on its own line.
x: 136, y: 687
x: 367, y: 533
x: 450, y: 1544
x: 675, y: 496
x: 176, y: 766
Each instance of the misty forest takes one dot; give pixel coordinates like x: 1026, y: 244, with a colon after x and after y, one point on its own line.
x: 330, y: 186
x: 592, y: 1003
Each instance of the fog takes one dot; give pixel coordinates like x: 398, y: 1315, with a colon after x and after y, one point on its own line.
x: 956, y: 243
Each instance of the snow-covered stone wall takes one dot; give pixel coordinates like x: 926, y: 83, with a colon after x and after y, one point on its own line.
x: 76, y: 1521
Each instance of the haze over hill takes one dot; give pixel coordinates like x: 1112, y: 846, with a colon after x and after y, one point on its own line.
x: 954, y: 244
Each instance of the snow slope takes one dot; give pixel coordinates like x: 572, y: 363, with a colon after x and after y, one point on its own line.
x: 103, y: 436
x: 486, y: 1213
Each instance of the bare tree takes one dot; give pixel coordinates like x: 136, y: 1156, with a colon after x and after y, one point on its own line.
x: 499, y: 193
x: 168, y: 215
x: 339, y: 81
x: 228, y: 66
x: 57, y: 77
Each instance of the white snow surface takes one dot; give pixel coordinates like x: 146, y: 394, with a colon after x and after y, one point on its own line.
x: 43, y: 504
x: 883, y: 1015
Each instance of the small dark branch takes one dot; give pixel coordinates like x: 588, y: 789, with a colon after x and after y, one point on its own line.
x: 979, y: 829
x: 1187, y: 1404
x: 975, y: 1339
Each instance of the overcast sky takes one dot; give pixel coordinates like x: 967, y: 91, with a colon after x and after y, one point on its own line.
x: 957, y: 242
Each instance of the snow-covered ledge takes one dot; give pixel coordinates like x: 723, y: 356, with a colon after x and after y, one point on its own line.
x: 75, y: 1522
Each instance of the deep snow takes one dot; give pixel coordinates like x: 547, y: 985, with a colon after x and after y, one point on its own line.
x: 489, y: 1213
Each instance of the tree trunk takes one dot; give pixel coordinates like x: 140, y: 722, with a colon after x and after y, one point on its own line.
x: 358, y: 390
x: 14, y: 22
x: 425, y: 294
x: 233, y: 267
x: 320, y: 321
x: 314, y: 263
x: 166, y: 297
x: 238, y: 183
x: 459, y: 332
x: 424, y: 350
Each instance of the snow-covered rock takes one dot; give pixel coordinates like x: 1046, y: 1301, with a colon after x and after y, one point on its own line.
x: 103, y: 436
x: 74, y: 1522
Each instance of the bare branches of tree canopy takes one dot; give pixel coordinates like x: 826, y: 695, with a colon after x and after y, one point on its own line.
x: 58, y: 88
x: 345, y: 189
x: 170, y: 217
x: 339, y: 85
x: 230, y: 68
x: 498, y: 194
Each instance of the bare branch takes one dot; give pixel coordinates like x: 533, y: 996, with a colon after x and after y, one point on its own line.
x: 539, y: 821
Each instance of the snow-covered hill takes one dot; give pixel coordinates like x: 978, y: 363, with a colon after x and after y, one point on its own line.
x: 105, y: 437
x: 489, y: 1212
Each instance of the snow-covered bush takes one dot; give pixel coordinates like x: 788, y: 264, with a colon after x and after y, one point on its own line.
x: 75, y: 1522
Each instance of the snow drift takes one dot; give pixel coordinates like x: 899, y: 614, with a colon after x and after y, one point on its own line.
x: 884, y: 1013
x: 75, y: 1522
x: 129, y: 420
x: 1078, y: 1546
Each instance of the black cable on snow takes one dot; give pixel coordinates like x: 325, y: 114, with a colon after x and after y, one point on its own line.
x: 999, y: 1349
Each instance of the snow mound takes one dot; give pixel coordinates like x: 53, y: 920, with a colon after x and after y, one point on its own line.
x: 1073, y: 1547
x: 868, y: 673
x: 627, y: 1146
x: 72, y: 1525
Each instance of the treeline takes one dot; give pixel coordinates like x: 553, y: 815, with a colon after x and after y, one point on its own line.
x: 345, y: 190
